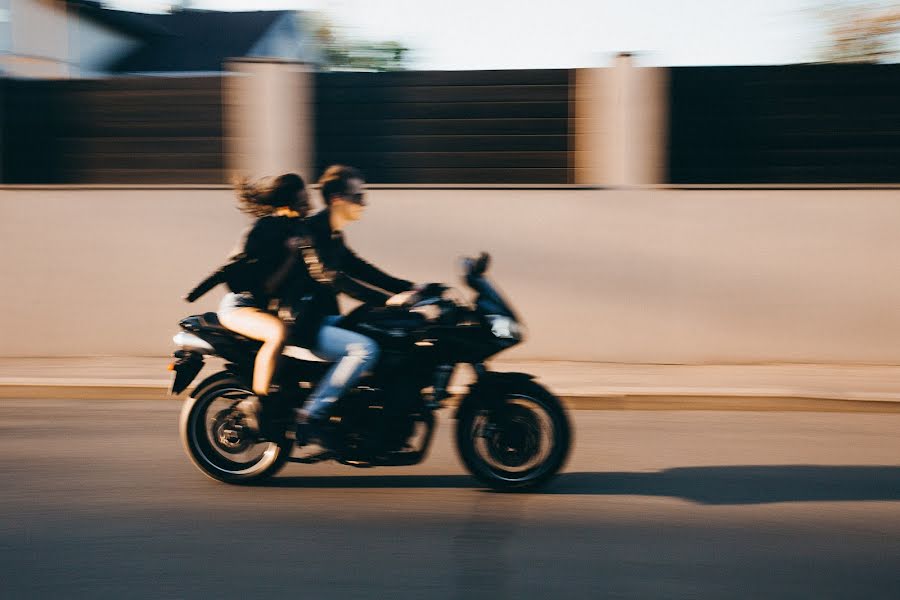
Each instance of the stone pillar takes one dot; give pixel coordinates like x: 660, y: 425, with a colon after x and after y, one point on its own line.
x: 621, y: 124
x: 269, y: 118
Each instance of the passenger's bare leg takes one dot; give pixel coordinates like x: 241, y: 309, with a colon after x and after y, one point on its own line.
x: 269, y: 329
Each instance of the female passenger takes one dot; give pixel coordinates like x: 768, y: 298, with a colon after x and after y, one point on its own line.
x: 262, y: 292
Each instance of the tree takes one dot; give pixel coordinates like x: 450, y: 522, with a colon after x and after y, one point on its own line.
x: 862, y: 32
x: 342, y: 53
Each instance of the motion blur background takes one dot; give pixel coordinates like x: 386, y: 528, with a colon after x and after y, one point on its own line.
x: 673, y: 192
x: 659, y: 182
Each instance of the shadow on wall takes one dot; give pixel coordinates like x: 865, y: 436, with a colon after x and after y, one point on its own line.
x: 703, y: 485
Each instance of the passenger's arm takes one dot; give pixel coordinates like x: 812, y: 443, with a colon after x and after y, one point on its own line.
x: 275, y: 281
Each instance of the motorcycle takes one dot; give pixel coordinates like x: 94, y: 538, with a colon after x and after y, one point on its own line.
x: 511, y: 432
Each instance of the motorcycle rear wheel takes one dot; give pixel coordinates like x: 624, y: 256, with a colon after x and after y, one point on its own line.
x: 516, y: 442
x: 216, y: 442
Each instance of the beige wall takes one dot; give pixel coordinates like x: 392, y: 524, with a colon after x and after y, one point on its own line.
x: 38, y: 68
x: 637, y: 275
x: 49, y: 40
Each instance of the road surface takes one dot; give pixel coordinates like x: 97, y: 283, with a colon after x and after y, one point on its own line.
x: 98, y: 500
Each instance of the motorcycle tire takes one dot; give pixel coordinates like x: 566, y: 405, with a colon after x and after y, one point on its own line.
x: 213, y: 457
x: 495, y: 439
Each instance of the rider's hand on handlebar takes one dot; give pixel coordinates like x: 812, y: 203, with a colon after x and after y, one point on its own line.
x: 402, y: 298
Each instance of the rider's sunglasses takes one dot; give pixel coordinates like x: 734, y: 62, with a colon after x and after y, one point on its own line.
x: 357, y: 198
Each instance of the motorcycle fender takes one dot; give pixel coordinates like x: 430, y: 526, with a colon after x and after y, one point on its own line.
x: 212, y: 379
x: 484, y: 390
x: 185, y: 368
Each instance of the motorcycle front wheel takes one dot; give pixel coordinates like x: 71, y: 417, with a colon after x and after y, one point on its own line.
x: 218, y: 443
x: 517, y: 441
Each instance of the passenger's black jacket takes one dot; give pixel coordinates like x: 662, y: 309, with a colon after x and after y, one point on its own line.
x: 266, y: 250
x: 341, y: 270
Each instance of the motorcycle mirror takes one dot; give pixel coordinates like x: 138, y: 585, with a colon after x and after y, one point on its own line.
x: 475, y: 267
x: 481, y: 264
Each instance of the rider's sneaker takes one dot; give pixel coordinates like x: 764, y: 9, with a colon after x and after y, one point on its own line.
x: 313, y: 429
x: 266, y: 416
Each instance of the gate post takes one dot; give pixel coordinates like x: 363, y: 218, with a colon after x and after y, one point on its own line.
x: 621, y: 124
x: 269, y: 117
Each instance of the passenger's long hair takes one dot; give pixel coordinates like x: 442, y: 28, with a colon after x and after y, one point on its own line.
x: 263, y: 197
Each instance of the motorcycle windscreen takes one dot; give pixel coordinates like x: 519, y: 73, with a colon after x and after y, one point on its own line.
x: 490, y: 300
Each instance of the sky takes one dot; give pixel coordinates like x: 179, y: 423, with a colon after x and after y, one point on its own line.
x: 509, y: 34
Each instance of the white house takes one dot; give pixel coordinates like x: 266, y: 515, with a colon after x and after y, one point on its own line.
x: 81, y: 38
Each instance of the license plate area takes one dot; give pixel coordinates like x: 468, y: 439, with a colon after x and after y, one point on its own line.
x: 184, y: 369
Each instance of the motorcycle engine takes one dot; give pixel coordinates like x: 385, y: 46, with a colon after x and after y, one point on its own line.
x: 372, y: 424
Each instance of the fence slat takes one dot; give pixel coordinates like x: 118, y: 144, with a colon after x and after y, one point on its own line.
x: 785, y: 124
x: 440, y: 127
x: 122, y: 130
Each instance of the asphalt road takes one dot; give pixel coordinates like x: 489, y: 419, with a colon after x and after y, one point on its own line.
x: 97, y: 500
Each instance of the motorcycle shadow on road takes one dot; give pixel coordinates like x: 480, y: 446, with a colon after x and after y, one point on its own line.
x: 722, y: 485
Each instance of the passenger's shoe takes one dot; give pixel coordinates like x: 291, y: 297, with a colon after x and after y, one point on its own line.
x: 251, y: 414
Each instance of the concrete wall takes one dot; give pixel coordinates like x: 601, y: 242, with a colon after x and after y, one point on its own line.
x: 39, y: 39
x: 632, y: 275
x: 5, y: 27
x: 48, y: 39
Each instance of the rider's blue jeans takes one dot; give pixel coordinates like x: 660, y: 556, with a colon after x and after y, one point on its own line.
x: 353, y: 353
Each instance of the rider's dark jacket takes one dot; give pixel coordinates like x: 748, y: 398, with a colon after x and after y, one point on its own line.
x: 338, y: 270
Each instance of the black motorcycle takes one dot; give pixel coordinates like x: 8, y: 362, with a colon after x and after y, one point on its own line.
x: 511, y: 432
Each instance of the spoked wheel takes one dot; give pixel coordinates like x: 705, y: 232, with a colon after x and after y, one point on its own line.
x: 219, y: 443
x: 515, y: 442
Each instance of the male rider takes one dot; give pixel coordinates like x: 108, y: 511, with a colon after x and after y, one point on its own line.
x: 341, y: 270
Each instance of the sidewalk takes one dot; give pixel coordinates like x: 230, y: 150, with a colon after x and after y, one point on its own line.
x: 581, y: 385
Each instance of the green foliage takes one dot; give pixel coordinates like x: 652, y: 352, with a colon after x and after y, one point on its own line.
x: 862, y: 31
x: 341, y: 52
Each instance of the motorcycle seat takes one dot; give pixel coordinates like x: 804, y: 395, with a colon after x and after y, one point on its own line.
x: 210, y: 322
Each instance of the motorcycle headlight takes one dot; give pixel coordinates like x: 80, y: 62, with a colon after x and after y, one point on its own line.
x: 504, y: 327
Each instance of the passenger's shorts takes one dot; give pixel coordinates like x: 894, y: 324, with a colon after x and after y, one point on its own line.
x: 234, y: 301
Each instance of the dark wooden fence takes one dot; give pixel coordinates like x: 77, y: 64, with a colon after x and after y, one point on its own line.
x: 26, y: 132
x: 141, y: 130
x: 785, y: 124
x: 446, y: 126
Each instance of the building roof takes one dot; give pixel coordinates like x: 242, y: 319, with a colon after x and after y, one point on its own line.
x: 197, y: 40
x: 184, y: 40
x: 135, y: 24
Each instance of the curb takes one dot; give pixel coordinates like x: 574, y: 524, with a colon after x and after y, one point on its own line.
x: 643, y: 400
x: 55, y: 391
x: 735, y: 402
